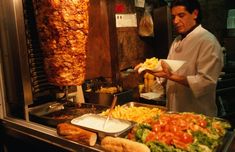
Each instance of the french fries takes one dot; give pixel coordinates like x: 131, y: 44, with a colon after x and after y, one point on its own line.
x: 150, y: 63
x: 137, y: 114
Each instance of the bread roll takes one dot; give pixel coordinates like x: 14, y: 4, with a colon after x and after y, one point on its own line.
x: 117, y: 144
x: 76, y: 133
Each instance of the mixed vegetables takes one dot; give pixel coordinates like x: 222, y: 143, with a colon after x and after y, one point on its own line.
x: 180, y: 132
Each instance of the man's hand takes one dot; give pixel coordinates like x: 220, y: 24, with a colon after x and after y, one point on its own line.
x: 167, y: 74
x: 166, y: 69
x: 138, y: 66
x: 164, y: 73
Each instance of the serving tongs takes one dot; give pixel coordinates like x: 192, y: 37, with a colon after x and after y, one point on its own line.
x: 110, y: 110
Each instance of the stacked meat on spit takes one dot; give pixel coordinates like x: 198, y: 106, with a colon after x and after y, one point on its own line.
x: 63, y: 30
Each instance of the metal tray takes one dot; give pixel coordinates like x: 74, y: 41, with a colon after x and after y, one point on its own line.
x: 137, y: 104
x: 53, y: 113
x: 225, y: 141
x: 95, y: 122
x: 106, y: 98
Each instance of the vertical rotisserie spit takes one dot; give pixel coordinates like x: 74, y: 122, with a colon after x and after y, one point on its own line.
x: 63, y: 30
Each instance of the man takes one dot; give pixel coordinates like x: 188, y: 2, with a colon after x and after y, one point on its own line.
x: 192, y: 88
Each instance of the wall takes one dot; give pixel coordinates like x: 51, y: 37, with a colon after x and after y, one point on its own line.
x: 215, y: 16
x: 98, y: 54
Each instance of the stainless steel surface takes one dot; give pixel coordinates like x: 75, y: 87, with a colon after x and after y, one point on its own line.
x: 137, y: 104
x: 46, y: 108
x: 226, y: 142
x: 26, y: 130
x: 13, y: 44
x: 53, y: 113
x: 103, y: 133
x: 106, y: 98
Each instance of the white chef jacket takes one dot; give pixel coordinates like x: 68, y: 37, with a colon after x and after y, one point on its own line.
x: 203, y: 55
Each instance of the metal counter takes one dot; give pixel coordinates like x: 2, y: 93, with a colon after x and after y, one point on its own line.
x: 39, y: 137
x: 36, y: 136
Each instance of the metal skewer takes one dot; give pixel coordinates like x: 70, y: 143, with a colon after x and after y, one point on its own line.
x: 110, y: 110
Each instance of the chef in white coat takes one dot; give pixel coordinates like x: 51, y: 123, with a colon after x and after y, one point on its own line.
x: 192, y: 88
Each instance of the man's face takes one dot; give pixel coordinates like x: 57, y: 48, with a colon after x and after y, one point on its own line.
x: 182, y: 19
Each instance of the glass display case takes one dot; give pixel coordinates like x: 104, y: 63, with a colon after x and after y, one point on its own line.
x: 23, y: 85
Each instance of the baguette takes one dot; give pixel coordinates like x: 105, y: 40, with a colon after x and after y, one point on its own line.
x: 76, y: 134
x: 118, y: 144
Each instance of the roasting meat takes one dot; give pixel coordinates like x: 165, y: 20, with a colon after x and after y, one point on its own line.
x: 63, y: 30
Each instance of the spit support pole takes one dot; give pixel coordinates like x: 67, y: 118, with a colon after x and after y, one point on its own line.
x: 80, y: 96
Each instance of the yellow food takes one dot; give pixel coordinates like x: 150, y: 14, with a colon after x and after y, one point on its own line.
x: 150, y: 63
x: 137, y: 114
x: 111, y: 90
x: 117, y: 144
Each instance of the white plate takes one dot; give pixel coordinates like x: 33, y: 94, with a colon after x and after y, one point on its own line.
x: 174, y: 65
x: 150, y: 95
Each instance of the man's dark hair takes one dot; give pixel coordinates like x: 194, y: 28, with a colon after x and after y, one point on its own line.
x: 190, y: 6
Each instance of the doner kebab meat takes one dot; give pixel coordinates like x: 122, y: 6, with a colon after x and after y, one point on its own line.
x: 63, y: 31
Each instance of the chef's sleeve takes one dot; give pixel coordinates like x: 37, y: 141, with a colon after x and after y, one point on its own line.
x: 209, y: 66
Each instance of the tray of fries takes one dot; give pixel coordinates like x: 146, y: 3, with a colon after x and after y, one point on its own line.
x: 134, y: 111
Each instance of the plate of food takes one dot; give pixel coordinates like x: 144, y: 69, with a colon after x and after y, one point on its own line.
x: 183, y: 131
x: 154, y: 64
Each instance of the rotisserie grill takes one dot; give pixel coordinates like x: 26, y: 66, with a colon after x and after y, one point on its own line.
x: 63, y: 32
x: 53, y: 113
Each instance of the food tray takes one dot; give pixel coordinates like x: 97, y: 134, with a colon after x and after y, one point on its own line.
x: 225, y: 141
x: 137, y: 104
x: 95, y: 122
x: 53, y: 113
x: 106, y: 98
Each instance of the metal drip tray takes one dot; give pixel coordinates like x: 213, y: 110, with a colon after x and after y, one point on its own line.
x: 53, y: 113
